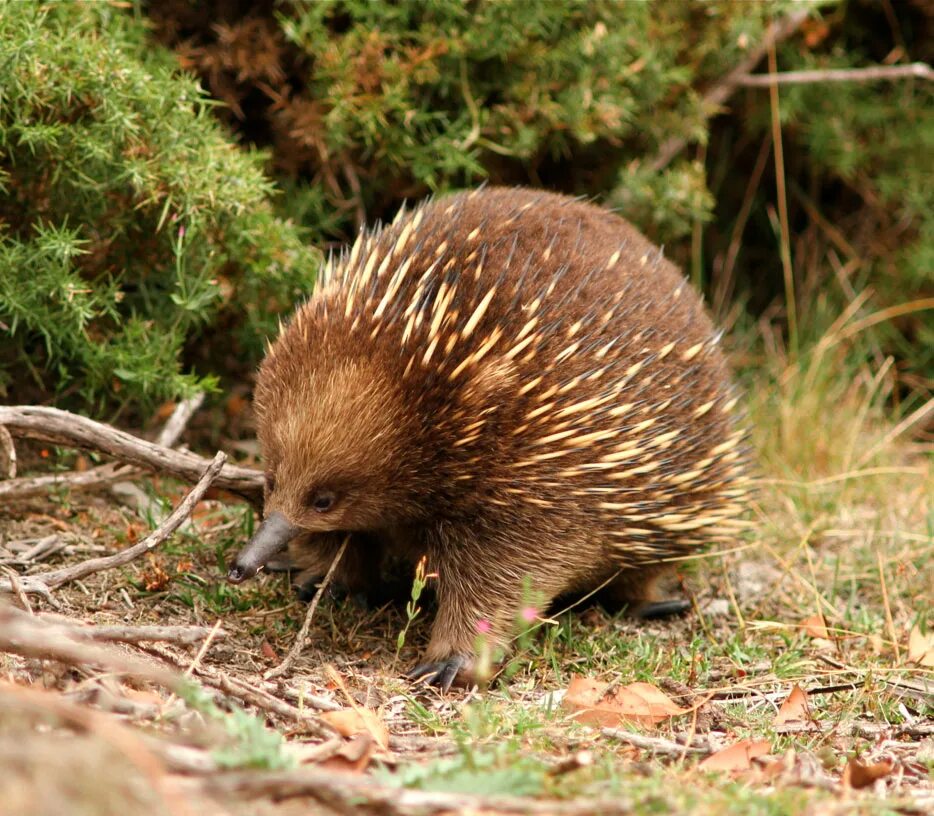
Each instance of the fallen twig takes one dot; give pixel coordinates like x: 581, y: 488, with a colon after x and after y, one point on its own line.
x: 873, y: 73
x: 38, y: 550
x: 352, y: 792
x: 657, y: 745
x: 25, y: 487
x: 178, y: 421
x: 183, y: 635
x: 299, y: 644
x: 256, y: 696
x: 8, y: 449
x: 54, y: 425
x: 128, y: 492
x: 103, y: 474
x: 44, y: 582
x: 28, y: 636
x: 724, y: 88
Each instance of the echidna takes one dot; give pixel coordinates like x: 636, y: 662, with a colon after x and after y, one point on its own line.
x: 514, y: 383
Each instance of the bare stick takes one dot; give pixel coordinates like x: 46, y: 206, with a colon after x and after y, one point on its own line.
x: 724, y: 88
x: 183, y: 635
x: 346, y: 792
x: 920, y: 70
x: 104, y: 474
x: 256, y: 696
x: 76, y: 480
x: 57, y: 426
x: 178, y: 421
x: 785, y: 245
x: 657, y: 745
x: 45, y: 581
x: 299, y: 644
x: 8, y: 449
x: 22, y: 634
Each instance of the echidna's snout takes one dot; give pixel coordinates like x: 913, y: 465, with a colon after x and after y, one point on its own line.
x: 272, y: 537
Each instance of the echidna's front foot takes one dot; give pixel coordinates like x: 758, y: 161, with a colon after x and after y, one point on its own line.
x: 440, y: 673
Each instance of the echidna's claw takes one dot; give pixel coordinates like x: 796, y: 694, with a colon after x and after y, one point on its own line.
x: 440, y: 673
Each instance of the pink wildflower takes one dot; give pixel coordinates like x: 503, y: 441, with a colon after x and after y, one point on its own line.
x: 529, y: 614
x: 484, y: 627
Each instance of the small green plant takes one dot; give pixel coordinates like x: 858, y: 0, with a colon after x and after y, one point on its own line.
x: 500, y: 771
x: 249, y: 744
x: 412, y: 609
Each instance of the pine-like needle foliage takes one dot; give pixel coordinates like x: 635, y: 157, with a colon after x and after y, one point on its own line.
x: 128, y: 221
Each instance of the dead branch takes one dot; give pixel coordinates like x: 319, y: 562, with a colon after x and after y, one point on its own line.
x: 103, y: 474
x: 299, y: 644
x: 178, y: 421
x: 723, y: 89
x: 128, y: 492
x: 61, y: 427
x: 256, y: 696
x: 357, y: 793
x: 183, y: 635
x: 28, y: 636
x: 8, y: 449
x: 657, y: 745
x: 873, y: 73
x: 42, y: 583
x: 74, y: 480
x: 38, y: 550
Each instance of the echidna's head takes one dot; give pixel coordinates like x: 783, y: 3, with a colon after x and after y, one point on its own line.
x: 339, y: 451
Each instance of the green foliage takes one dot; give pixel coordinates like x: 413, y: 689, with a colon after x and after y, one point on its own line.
x: 129, y: 224
x: 500, y: 771
x: 140, y: 250
x: 440, y: 94
x: 376, y: 102
x: 246, y: 742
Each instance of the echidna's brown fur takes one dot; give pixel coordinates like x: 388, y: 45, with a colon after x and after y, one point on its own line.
x: 516, y: 384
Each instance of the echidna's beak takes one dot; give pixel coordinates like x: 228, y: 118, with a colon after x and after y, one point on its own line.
x: 272, y: 537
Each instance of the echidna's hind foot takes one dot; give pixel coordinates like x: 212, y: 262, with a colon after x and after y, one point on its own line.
x: 658, y: 610
x: 637, y: 590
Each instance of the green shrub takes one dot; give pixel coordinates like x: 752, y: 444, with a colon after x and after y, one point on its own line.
x: 367, y: 103
x: 130, y: 225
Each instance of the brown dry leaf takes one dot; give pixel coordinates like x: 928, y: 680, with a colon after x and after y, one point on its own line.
x: 816, y: 627
x: 815, y: 32
x: 348, y: 722
x: 638, y: 702
x: 154, y: 576
x: 856, y: 775
x: 736, y: 757
x: 235, y: 405
x: 352, y: 757
x: 164, y: 411
x: 268, y: 652
x: 794, y: 708
x: 921, y: 647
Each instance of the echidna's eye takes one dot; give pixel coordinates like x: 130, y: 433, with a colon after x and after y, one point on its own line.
x: 270, y: 481
x: 322, y: 500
